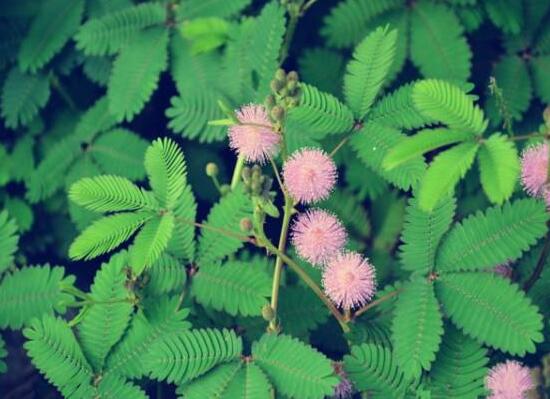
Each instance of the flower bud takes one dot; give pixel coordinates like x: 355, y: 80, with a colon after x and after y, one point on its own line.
x: 546, y: 116
x: 280, y: 75
x: 292, y: 75
x: 270, y: 101
x: 212, y: 169
x: 267, y: 312
x: 225, y: 189
x: 277, y: 113
x: 276, y: 85
x: 245, y: 225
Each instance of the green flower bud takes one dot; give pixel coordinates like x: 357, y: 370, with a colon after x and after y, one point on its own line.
x: 267, y: 312
x: 292, y: 75
x: 212, y: 169
x: 276, y: 85
x: 280, y: 75
x: 277, y: 113
x: 270, y: 101
x: 225, y: 189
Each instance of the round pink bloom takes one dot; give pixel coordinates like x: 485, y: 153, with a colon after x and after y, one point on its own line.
x: 318, y: 235
x: 509, y: 380
x: 349, y: 280
x: 254, y: 137
x: 534, y: 170
x: 309, y: 175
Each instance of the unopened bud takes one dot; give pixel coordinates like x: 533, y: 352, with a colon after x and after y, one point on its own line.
x: 225, y: 189
x: 280, y: 75
x: 276, y: 85
x: 270, y: 101
x: 245, y: 224
x: 277, y: 113
x: 246, y: 174
x: 292, y: 85
x: 292, y: 75
x: 267, y: 312
x: 546, y: 116
x: 212, y: 169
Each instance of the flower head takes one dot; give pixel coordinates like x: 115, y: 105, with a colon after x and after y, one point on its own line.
x: 254, y: 137
x: 534, y: 170
x: 509, y: 380
x: 317, y: 236
x: 349, y: 280
x: 309, y: 175
x: 344, y: 389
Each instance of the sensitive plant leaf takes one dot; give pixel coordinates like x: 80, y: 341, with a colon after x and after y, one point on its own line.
x: 106, y: 234
x: 294, y: 368
x: 444, y: 172
x: 205, y: 34
x: 366, y: 72
x: 299, y: 320
x: 540, y: 66
x: 499, y: 168
x: 8, y: 240
x: 50, y: 29
x: 23, y: 95
x: 492, y: 310
x: 328, y: 78
x: 113, y: 386
x: 32, y: 292
x: 54, y: 350
x: 3, y: 355
x: 211, y: 8
x: 183, y: 244
x: 108, y: 193
x: 506, y: 14
x: 166, y: 275
x: 499, y: 235
x: 235, y: 287
x: 417, y: 328
x: 142, y: 60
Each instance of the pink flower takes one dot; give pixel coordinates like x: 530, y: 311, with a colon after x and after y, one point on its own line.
x: 309, y: 175
x: 349, y: 280
x: 254, y: 137
x: 534, y: 170
x: 317, y: 236
x: 509, y: 380
x: 345, y: 388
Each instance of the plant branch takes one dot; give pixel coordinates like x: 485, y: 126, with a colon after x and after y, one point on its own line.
x: 220, y: 230
x: 277, y: 175
x: 236, y: 178
x: 526, y: 136
x: 540, y: 265
x: 375, y: 303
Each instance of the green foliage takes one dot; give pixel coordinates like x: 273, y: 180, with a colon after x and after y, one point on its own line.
x: 366, y: 72
x: 112, y: 386
x: 8, y: 240
x: 106, y: 320
x: 3, y: 354
x: 166, y: 275
x: 23, y: 95
x: 54, y: 350
x: 500, y: 235
x: 499, y: 168
x: 422, y: 232
x: 505, y: 14
x: 295, y: 369
x: 417, y: 328
x: 491, y: 310
x: 235, y: 287
x: 299, y: 320
x: 50, y: 29
x: 213, y: 8
x: 32, y: 292
x: 186, y: 355
x: 328, y: 78
x: 438, y: 46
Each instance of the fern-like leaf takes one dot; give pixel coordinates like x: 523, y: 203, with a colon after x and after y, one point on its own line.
x: 498, y: 236
x: 142, y: 60
x: 8, y: 240
x: 211, y: 8
x: 328, y: 78
x: 491, y: 310
x: 105, y: 321
x: 422, y: 233
x: 166, y: 170
x: 225, y: 215
x: 367, y: 70
x: 438, y: 45
x: 32, y: 292
x: 54, y: 350
x: 446, y: 103
x: 151, y: 242
x: 108, y: 194
x: 424, y: 141
x: 299, y: 320
x: 3, y: 355
x: 112, y: 386
x: 373, y: 368
x: 540, y: 67
x: 499, y: 168
x: 444, y: 173
x: 23, y: 96
x: 295, y: 369
x: 109, y: 33
x: 183, y: 245
x: 506, y: 14
x: 417, y: 328
x: 235, y: 287
x: 373, y: 142
x: 186, y: 355
x: 106, y: 234
x: 51, y: 28
x: 166, y: 275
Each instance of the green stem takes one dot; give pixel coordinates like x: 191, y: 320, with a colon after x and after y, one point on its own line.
x: 70, y: 289
x: 294, y: 17
x: 56, y: 84
x: 237, y: 172
x: 373, y: 304
x: 78, y: 304
x: 527, y: 136
x: 540, y: 265
x: 279, y: 262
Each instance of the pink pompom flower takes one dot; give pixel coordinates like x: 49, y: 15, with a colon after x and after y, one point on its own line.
x: 349, y: 280
x: 534, y: 170
x: 309, y: 175
x: 254, y: 137
x: 509, y: 380
x: 317, y: 236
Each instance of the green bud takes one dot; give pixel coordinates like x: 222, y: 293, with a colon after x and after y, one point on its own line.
x: 292, y: 75
x: 276, y: 85
x: 292, y: 85
x: 277, y: 113
x: 246, y: 174
x: 267, y: 312
x: 225, y: 189
x: 270, y: 101
x: 546, y: 116
x: 212, y: 169
x: 280, y: 75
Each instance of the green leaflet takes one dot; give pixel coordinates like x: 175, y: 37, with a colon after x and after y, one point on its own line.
x: 52, y: 27
x: 491, y: 310
x: 32, y: 292
x: 236, y: 287
x: 498, y: 236
x: 366, y: 72
x: 165, y: 276
x: 328, y: 78
x: 142, y: 60
x: 114, y: 387
x: 499, y: 168
x: 8, y: 240
x: 212, y: 8
x: 506, y: 14
x: 444, y: 173
x: 417, y: 327
x: 295, y: 369
x: 3, y: 354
